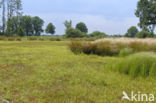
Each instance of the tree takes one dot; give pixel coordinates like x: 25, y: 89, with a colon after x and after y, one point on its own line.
x: 74, y: 33
x: 146, y: 12
x: 132, y: 32
x: 37, y: 24
x: 20, y: 32
x: 144, y: 34
x: 68, y: 24
x: 82, y: 27
x: 50, y: 28
x: 98, y: 34
x: 26, y: 24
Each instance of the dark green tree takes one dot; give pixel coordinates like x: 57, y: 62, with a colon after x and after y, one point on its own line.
x: 20, y: 32
x: 132, y: 32
x: 146, y: 12
x: 82, y: 27
x: 26, y: 24
x: 50, y: 28
x: 68, y: 24
x: 144, y: 34
x: 37, y: 24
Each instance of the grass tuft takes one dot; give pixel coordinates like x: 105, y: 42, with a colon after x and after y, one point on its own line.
x: 140, y: 64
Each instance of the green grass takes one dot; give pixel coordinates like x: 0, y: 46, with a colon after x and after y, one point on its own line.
x: 48, y: 72
x: 139, y: 64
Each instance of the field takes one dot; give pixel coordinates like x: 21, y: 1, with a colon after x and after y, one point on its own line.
x: 48, y: 72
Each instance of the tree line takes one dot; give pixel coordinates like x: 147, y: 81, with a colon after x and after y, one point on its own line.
x: 13, y: 22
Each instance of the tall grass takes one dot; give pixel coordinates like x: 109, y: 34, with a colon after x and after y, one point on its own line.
x: 110, y: 48
x: 140, y: 64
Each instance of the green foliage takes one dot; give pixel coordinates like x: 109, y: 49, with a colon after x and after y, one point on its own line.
x: 37, y: 24
x: 141, y: 64
x: 32, y: 26
x: 82, y: 27
x: 132, y: 32
x: 31, y: 38
x: 125, y: 52
x: 146, y: 10
x: 74, y: 33
x: 144, y: 34
x: 98, y: 34
x: 50, y: 28
x: 68, y: 24
x: 20, y: 32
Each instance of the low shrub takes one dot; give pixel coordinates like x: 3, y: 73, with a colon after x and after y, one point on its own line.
x: 76, y: 47
x: 32, y: 38
x: 139, y: 46
x: 140, y: 64
x: 41, y: 39
x: 106, y: 49
x: 103, y: 49
x: 11, y: 38
x: 2, y: 38
x: 18, y: 39
x: 58, y: 39
x: 144, y: 34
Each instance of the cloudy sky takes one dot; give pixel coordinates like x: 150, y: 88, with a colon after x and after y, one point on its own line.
x: 109, y: 16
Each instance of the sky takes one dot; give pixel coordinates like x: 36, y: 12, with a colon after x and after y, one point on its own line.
x: 109, y: 16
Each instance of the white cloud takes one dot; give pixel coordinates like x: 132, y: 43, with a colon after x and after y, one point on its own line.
x: 93, y: 22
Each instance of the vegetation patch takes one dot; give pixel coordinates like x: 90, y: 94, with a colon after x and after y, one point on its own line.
x: 108, y: 48
x: 140, y: 64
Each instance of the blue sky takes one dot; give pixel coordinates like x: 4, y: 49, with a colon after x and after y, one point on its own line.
x: 109, y: 16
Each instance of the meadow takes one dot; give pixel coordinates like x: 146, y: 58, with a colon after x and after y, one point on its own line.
x: 43, y: 71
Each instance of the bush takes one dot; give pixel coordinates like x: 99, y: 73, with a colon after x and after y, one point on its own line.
x: 144, y: 34
x: 2, y: 38
x: 98, y: 34
x: 125, y: 52
x: 74, y: 33
x: 76, y: 47
x: 141, y: 64
x: 32, y: 38
x: 106, y: 49
x: 139, y: 46
x: 11, y: 38
x: 103, y: 49
x: 41, y: 39
x: 18, y: 39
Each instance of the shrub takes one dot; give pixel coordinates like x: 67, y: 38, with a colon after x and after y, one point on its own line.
x: 89, y: 48
x: 74, y: 33
x: 55, y: 39
x: 138, y: 46
x: 18, y: 39
x: 58, y: 39
x: 2, y: 38
x: 125, y: 52
x: 76, y: 47
x: 141, y: 64
x: 103, y: 49
x: 98, y: 34
x: 32, y: 38
x: 11, y: 38
x: 144, y: 34
x: 41, y: 39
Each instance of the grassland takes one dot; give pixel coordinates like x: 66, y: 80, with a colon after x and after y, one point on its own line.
x: 48, y: 72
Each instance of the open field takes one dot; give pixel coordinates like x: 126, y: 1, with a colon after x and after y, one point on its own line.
x: 48, y: 72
